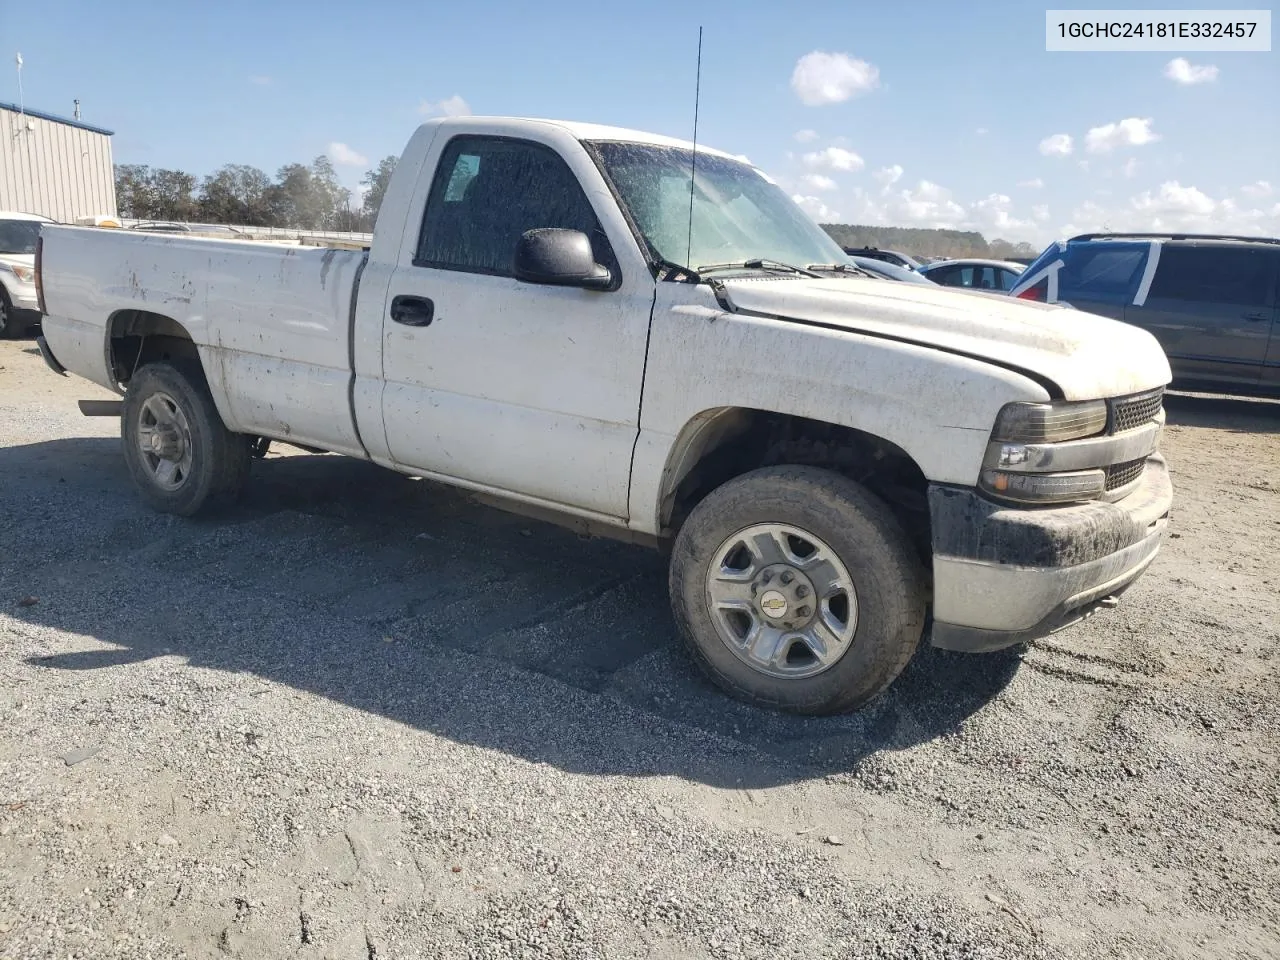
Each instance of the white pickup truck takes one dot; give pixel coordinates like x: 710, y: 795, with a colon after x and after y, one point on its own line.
x: 837, y: 464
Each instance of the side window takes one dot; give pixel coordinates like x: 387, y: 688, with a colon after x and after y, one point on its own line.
x: 487, y: 192
x: 1007, y: 279
x: 1107, y: 272
x: 1225, y: 275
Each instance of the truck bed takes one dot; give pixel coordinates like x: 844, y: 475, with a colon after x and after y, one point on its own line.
x: 258, y: 311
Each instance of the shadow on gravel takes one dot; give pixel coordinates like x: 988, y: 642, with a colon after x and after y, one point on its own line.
x: 406, y: 600
x: 1237, y: 414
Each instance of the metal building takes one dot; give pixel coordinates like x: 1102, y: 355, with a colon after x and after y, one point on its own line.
x: 53, y: 166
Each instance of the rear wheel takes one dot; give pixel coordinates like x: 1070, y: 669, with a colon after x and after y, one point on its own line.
x: 796, y: 588
x: 180, y: 454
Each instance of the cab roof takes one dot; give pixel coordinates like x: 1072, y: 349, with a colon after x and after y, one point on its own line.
x: 595, y: 131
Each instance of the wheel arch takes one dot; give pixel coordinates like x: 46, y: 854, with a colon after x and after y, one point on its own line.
x: 721, y: 443
x: 135, y: 337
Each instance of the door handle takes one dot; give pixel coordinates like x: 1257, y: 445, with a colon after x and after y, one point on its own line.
x: 1257, y: 316
x: 412, y: 311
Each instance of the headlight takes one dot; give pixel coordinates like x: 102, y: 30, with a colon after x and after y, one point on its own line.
x: 25, y: 274
x: 1050, y: 422
x: 1046, y: 487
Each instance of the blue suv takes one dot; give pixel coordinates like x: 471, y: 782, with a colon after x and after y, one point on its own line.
x: 1213, y: 302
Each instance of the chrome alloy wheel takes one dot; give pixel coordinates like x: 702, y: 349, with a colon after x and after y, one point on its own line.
x: 782, y: 600
x: 164, y: 439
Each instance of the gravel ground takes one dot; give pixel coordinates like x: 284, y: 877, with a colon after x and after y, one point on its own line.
x: 360, y: 716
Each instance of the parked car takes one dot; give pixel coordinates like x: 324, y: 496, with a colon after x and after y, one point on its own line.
x: 974, y: 274
x: 886, y: 256
x: 1211, y: 301
x: 158, y: 226
x: 890, y: 271
x: 19, y: 310
x: 831, y: 463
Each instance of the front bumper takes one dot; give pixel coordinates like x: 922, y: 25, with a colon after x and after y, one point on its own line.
x: 1004, y: 575
x: 24, y: 298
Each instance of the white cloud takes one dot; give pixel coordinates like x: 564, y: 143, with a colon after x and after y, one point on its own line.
x: 260, y: 80
x: 1177, y: 208
x: 929, y: 204
x: 981, y: 131
x: 821, y: 78
x: 744, y: 158
x: 1130, y: 132
x: 1058, y: 145
x: 806, y: 136
x: 1035, y: 183
x: 1258, y: 191
x: 344, y: 156
x: 834, y: 158
x: 1181, y: 70
x: 888, y: 176
x: 453, y: 106
x: 816, y: 208
x: 1083, y: 165
x: 817, y: 181
x: 1130, y: 167
x: 1173, y: 199
x: 994, y: 214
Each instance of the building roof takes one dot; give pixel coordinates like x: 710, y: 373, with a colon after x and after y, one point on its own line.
x: 40, y: 114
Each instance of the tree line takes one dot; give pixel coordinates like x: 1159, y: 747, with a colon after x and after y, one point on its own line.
x: 927, y: 242
x: 310, y: 198
x: 301, y: 196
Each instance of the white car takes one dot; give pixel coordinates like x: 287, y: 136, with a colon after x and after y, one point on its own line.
x: 974, y: 274
x: 19, y: 309
x: 829, y: 458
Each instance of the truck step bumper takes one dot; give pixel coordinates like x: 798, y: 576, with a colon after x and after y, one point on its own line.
x: 1014, y: 575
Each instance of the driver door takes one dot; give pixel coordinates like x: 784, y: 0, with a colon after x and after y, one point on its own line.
x: 515, y: 387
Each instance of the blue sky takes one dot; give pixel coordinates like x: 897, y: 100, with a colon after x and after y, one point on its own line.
x: 933, y: 113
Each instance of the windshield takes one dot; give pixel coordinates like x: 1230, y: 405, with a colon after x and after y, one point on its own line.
x: 19, y: 236
x: 738, y: 215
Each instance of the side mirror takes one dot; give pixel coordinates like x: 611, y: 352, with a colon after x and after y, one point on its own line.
x: 561, y: 258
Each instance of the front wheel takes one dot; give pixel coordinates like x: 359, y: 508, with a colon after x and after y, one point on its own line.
x: 795, y: 588
x: 10, y: 328
x: 180, y: 454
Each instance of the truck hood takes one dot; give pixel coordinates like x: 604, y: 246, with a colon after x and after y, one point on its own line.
x: 1086, y: 356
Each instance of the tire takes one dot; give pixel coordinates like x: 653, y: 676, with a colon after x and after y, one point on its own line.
x: 10, y: 327
x: 211, y: 464
x: 883, y: 618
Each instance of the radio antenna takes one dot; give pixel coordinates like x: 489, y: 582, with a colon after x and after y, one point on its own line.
x: 693, y: 167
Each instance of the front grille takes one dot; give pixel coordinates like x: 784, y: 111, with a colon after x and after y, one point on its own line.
x: 1128, y: 413
x: 1122, y: 474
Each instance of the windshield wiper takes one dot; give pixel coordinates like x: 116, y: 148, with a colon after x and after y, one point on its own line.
x: 839, y: 268
x: 757, y: 264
